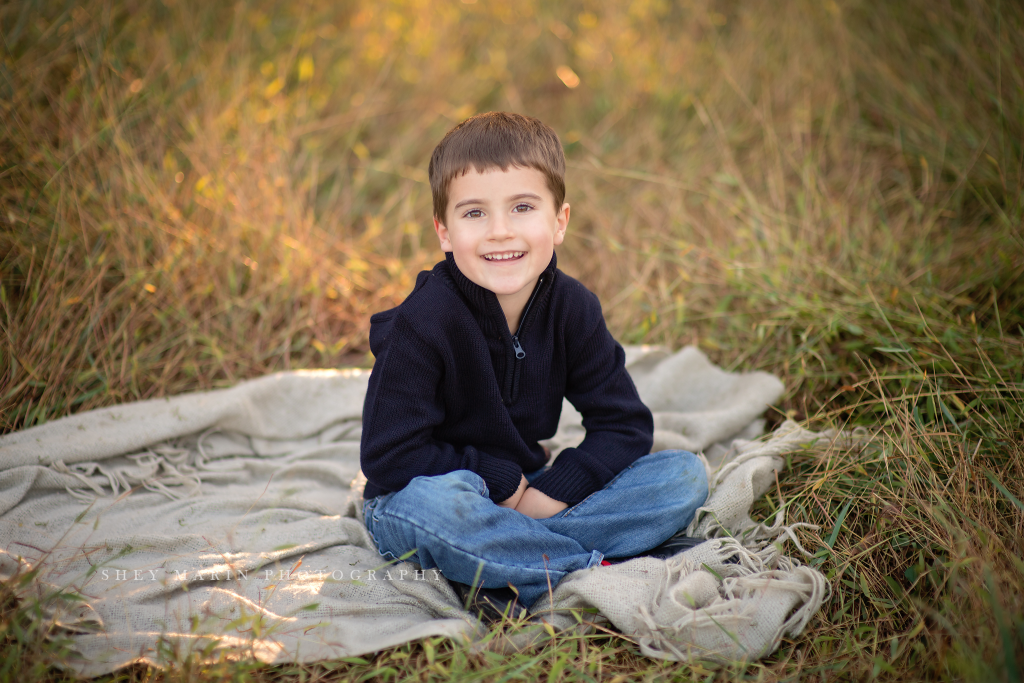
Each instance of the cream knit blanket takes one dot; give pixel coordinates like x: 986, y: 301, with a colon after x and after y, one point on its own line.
x: 228, y: 521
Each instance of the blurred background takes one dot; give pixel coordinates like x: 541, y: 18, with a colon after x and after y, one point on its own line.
x: 195, y: 193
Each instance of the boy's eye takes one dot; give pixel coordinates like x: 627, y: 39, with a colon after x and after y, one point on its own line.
x: 473, y: 213
x: 522, y: 208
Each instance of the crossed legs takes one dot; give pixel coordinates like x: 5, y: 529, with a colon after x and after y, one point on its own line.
x: 452, y: 524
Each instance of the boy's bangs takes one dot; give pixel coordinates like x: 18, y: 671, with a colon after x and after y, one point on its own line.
x: 496, y: 140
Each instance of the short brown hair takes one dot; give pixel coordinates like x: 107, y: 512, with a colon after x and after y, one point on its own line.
x: 496, y: 139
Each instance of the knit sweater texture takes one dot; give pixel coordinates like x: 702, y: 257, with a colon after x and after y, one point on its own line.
x: 447, y: 391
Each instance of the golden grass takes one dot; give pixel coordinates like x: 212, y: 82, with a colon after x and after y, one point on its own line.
x: 196, y: 193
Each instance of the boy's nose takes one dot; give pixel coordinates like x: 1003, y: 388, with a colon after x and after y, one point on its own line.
x: 501, y: 228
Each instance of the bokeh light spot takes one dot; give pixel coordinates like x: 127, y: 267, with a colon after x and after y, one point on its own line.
x: 567, y: 76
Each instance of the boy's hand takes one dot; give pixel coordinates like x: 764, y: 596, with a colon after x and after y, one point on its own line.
x: 513, y: 500
x: 539, y: 505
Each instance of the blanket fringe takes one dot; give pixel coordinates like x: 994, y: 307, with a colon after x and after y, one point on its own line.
x: 693, y: 616
x: 155, y: 470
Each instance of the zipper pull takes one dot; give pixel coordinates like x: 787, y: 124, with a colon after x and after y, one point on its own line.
x: 517, y: 347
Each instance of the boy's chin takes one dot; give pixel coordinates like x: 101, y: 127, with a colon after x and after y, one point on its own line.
x: 519, y: 287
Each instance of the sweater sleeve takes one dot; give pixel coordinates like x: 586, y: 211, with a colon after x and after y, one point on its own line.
x: 619, y: 427
x: 403, y: 406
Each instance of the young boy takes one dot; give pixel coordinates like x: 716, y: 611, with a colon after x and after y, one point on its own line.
x: 469, y: 377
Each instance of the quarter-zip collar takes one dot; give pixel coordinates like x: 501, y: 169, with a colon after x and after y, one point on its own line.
x: 486, y: 301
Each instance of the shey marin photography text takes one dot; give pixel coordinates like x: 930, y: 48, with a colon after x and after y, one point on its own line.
x: 227, y: 574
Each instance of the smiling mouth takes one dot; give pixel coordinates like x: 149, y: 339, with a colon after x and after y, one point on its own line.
x: 506, y: 256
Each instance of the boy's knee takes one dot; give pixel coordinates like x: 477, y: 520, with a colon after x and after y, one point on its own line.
x: 694, y: 465
x: 680, y: 461
x: 443, y: 486
x: 693, y: 469
x: 437, y: 505
x: 686, y: 469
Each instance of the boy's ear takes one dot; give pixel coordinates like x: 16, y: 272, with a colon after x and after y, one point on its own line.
x: 442, y: 235
x: 561, y: 223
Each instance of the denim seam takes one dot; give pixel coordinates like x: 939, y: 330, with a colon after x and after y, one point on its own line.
x: 376, y: 544
x: 580, y: 504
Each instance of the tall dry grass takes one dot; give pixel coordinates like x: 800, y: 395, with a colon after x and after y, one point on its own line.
x: 196, y: 193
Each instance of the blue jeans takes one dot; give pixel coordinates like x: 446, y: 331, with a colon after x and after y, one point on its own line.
x: 452, y: 524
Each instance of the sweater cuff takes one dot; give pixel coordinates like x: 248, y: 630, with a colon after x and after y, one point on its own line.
x: 501, y: 476
x: 568, y: 484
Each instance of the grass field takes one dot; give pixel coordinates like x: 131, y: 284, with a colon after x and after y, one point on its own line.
x: 194, y: 193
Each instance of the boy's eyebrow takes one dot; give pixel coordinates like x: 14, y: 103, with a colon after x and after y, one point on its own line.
x: 516, y: 197
x: 526, y: 195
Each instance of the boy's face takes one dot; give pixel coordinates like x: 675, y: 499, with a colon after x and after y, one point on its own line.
x: 502, y: 227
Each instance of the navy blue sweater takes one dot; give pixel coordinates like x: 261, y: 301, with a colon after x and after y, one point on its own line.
x: 447, y: 391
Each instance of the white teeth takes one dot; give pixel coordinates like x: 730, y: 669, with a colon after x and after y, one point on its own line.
x: 503, y: 257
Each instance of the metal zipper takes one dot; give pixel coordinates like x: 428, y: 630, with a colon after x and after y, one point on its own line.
x: 516, y: 346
